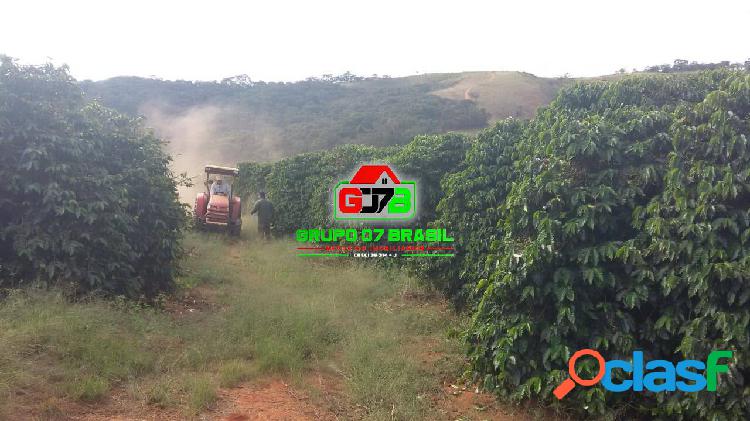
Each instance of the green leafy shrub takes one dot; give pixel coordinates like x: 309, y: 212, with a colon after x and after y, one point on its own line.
x: 428, y: 159
x: 469, y: 208
x: 301, y: 186
x: 87, y: 197
x: 622, y: 224
x: 252, y: 179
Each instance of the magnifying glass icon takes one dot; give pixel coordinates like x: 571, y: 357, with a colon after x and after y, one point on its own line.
x: 568, y: 384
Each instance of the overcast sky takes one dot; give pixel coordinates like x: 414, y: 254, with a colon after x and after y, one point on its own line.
x: 284, y: 40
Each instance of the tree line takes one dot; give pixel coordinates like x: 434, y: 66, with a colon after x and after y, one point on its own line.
x: 263, y: 121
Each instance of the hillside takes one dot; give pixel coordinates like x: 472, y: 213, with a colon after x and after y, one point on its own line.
x: 239, y: 120
x: 504, y: 94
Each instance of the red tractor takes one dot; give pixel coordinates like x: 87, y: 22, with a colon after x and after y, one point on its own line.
x: 217, y: 207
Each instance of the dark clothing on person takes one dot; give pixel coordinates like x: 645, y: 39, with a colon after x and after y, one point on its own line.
x: 264, y: 230
x: 264, y: 209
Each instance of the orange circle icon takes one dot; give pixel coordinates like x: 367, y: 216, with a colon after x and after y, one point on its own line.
x: 572, y: 367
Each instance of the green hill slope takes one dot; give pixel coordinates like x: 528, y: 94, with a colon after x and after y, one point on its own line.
x: 504, y: 94
x: 246, y: 121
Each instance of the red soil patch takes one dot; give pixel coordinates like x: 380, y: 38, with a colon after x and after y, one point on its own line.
x: 327, y: 386
x: 118, y: 406
x: 462, y: 401
x: 454, y: 402
x: 271, y: 400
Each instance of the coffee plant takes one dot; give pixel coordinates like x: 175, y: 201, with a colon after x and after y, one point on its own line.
x: 301, y: 186
x: 87, y: 198
x: 468, y: 210
x: 623, y: 225
x: 427, y: 159
x: 252, y: 180
x: 617, y: 219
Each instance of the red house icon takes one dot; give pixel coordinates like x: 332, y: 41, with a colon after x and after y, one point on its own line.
x: 374, y: 174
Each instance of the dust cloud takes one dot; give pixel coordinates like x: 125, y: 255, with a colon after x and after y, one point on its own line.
x: 210, y: 134
x: 190, y: 137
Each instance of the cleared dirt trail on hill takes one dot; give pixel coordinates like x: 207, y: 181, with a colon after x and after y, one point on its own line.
x: 254, y: 333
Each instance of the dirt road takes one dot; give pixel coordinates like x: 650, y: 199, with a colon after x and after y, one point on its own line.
x: 254, y: 333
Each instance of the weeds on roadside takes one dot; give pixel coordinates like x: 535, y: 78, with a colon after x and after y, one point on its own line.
x: 272, y: 313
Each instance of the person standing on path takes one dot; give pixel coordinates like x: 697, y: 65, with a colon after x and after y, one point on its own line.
x: 264, y: 208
